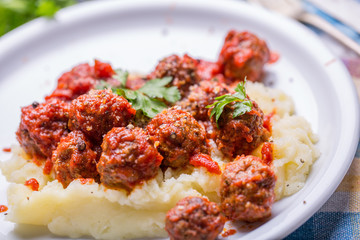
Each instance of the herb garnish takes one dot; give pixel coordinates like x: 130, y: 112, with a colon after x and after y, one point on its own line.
x: 241, y: 106
x: 147, y: 98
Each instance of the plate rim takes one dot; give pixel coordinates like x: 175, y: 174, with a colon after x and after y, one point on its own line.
x: 14, y: 38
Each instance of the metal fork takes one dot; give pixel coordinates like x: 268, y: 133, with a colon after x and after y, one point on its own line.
x: 294, y: 9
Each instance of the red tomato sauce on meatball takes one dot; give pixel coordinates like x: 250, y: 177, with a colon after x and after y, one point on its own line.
x: 243, y: 55
x: 194, y: 218
x: 247, y: 189
x: 98, y: 112
x: 127, y: 158
x: 181, y: 69
x: 42, y: 126
x: 240, y: 135
x: 74, y: 158
x: 177, y: 135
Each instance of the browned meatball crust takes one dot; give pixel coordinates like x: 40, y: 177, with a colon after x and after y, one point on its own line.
x: 247, y: 189
x: 42, y: 126
x: 127, y: 159
x: 243, y: 55
x: 194, y: 218
x: 240, y: 135
x: 74, y: 158
x: 177, y: 136
x: 182, y: 69
x: 200, y: 96
x: 98, y: 112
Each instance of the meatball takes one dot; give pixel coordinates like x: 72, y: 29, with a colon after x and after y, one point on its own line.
x: 182, y: 69
x: 74, y: 158
x: 74, y: 83
x: 98, y: 112
x: 194, y: 218
x: 243, y: 55
x: 240, y: 135
x: 177, y: 136
x: 42, y: 126
x: 80, y: 80
x: 127, y: 159
x: 200, y: 96
x: 247, y: 189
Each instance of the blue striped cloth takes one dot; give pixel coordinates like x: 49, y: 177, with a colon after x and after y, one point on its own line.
x: 339, y: 25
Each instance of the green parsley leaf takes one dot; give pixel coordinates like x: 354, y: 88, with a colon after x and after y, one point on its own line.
x: 150, y: 107
x: 240, y: 91
x: 121, y: 76
x: 147, y: 98
x: 139, y: 101
x: 155, y: 88
x: 130, y: 95
x: 242, y: 108
x: 241, y: 105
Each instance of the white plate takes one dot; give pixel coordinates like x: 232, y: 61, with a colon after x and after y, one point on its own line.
x: 134, y: 35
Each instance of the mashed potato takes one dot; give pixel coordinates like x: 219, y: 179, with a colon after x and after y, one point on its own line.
x: 89, y: 209
x: 294, y: 149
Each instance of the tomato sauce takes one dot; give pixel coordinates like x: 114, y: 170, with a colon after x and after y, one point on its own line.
x: 243, y: 55
x: 103, y: 70
x: 228, y: 233
x: 207, y: 70
x: 267, y: 152
x: 42, y: 126
x: 33, y: 184
x: 204, y: 160
x: 267, y: 121
x: 86, y: 180
x: 48, y: 167
x: 6, y: 149
x: 274, y: 57
x: 3, y: 208
x: 37, y: 161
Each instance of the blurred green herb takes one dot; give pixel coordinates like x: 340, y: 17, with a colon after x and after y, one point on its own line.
x: 148, y: 97
x: 14, y: 13
x: 241, y: 105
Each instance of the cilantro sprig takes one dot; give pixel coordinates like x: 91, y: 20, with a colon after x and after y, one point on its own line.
x: 148, y: 97
x: 241, y: 105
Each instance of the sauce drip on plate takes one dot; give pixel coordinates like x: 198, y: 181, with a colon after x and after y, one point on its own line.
x: 3, y: 208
